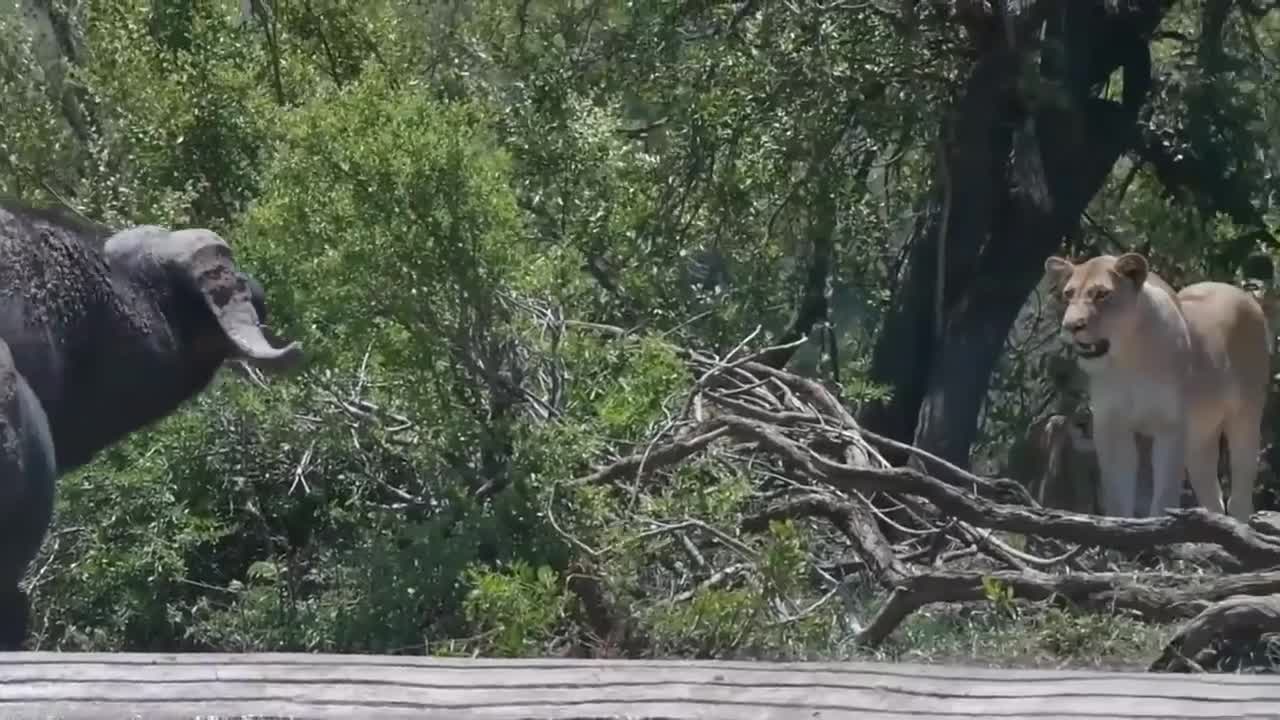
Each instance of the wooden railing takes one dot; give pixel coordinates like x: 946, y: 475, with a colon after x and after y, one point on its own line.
x: 144, y: 686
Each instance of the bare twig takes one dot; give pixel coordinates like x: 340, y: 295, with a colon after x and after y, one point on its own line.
x: 670, y: 454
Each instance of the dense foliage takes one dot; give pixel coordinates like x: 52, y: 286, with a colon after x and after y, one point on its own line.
x: 488, y: 222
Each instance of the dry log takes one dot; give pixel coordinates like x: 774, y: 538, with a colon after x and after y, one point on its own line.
x: 1201, y: 556
x: 912, y: 590
x: 1160, y: 597
x: 1266, y: 522
x: 1094, y: 591
x: 1236, y: 621
x: 1186, y: 525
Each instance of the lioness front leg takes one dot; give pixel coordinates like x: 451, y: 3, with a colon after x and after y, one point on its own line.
x: 1168, y: 468
x: 1118, y: 467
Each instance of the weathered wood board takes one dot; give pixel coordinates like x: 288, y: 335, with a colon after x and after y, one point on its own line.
x: 103, y: 686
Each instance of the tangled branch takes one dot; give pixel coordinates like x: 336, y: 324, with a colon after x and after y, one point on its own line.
x: 955, y: 534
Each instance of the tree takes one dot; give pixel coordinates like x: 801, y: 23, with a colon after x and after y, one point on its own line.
x: 1020, y: 154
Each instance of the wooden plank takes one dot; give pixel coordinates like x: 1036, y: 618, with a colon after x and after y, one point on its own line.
x: 156, y: 687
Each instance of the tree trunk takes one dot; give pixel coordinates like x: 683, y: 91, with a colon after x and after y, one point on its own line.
x: 905, y: 349
x: 997, y: 236
x: 1009, y: 269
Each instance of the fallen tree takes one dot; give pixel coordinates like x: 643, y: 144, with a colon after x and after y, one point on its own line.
x: 965, y: 534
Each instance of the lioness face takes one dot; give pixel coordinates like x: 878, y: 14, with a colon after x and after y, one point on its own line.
x: 1100, y: 294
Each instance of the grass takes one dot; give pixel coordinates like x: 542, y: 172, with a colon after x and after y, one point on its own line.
x: 1001, y: 633
x: 1026, y: 636
x: 1012, y: 634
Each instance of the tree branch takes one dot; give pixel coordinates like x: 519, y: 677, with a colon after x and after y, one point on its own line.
x: 1190, y: 525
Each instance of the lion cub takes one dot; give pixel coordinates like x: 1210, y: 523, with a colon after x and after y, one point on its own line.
x: 1182, y: 368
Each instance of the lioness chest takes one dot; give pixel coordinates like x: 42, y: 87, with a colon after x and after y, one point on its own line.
x: 1145, y: 402
x: 1142, y: 382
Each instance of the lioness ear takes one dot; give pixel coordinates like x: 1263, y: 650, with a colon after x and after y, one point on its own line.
x: 1058, y: 268
x: 1132, y: 266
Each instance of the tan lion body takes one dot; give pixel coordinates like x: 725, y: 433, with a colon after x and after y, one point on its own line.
x: 1183, y: 369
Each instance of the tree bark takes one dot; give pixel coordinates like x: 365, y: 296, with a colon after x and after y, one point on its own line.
x: 1008, y: 210
x: 1010, y: 268
x: 905, y: 352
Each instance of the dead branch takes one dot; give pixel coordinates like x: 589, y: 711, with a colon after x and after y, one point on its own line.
x: 1008, y: 489
x: 825, y: 404
x: 1266, y: 522
x: 811, y: 459
x: 1195, y: 524
x: 717, y: 580
x: 1155, y: 597
x: 1235, y: 622
x: 853, y: 520
x: 669, y: 454
x: 911, y: 590
x: 613, y: 629
x: 999, y: 489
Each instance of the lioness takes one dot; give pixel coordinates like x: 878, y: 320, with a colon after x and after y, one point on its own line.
x: 1182, y: 368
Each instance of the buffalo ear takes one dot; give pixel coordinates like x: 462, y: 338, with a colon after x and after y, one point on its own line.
x: 1134, y: 267
x: 203, y: 261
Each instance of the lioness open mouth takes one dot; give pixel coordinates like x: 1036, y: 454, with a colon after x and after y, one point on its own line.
x: 1093, y: 350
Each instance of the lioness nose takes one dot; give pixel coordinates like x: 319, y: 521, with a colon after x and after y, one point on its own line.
x: 1074, y: 324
